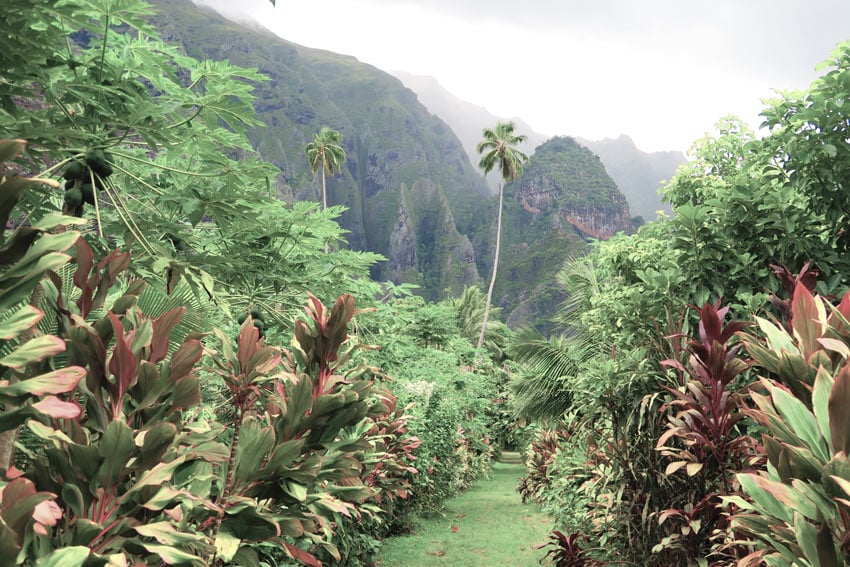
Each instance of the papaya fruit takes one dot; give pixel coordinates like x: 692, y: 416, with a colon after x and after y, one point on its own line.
x: 257, y: 314
x: 96, y: 159
x: 88, y: 193
x: 260, y: 324
x: 74, y: 170
x: 78, y: 212
x: 241, y: 318
x: 109, y: 160
x: 74, y: 197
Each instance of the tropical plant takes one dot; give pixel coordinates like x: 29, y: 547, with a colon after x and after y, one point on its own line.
x: 26, y: 256
x: 565, y: 551
x: 140, y: 131
x: 704, y: 416
x: 469, y: 315
x: 113, y: 468
x: 796, y: 512
x: 325, y: 152
x: 498, y: 149
x: 539, y: 457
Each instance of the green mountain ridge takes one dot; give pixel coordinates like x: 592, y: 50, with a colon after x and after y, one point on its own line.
x: 638, y: 174
x: 388, y: 137
x: 466, y: 119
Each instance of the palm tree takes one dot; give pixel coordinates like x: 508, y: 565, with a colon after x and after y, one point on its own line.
x: 497, y: 148
x: 543, y: 390
x: 326, y: 152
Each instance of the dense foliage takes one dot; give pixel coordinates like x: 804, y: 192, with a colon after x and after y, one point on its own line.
x: 676, y: 452
x: 694, y: 410
x: 139, y: 420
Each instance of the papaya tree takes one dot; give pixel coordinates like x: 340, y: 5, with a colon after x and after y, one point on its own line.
x: 150, y: 145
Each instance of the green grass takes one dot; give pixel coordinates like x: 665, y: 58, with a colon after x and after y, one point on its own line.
x: 494, y: 528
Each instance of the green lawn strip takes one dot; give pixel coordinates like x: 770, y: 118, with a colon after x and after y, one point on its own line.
x: 487, y: 525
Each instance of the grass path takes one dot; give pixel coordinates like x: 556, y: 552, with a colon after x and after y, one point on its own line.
x: 487, y: 526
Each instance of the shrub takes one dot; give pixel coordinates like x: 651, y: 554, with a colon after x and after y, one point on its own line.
x: 703, y: 417
x: 796, y: 512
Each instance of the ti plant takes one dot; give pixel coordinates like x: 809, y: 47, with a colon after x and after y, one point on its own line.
x: 539, y: 458
x: 306, y: 437
x: 30, y: 387
x: 565, y: 551
x: 706, y: 410
x: 798, y: 511
x: 127, y: 469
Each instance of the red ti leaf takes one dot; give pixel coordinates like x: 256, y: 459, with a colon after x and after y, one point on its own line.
x: 185, y: 358
x: 162, y: 326
x: 85, y: 262
x: 58, y: 409
x: 115, y: 263
x: 301, y: 555
x: 844, y: 309
x: 248, y: 347
x: 56, y: 382
x: 839, y: 411
x: 805, y: 320
x: 122, y: 364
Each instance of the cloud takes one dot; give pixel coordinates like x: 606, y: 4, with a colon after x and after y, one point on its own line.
x: 767, y: 37
x: 662, y: 71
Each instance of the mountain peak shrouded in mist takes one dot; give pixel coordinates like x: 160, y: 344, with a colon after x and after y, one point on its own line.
x: 465, y: 118
x: 638, y: 174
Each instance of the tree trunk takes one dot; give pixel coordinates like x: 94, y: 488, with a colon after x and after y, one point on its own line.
x: 324, y: 199
x: 324, y: 191
x: 495, y: 269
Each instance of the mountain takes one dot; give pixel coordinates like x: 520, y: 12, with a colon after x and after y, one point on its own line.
x: 638, y: 174
x: 390, y: 139
x: 411, y: 192
x: 563, y: 198
x: 467, y: 120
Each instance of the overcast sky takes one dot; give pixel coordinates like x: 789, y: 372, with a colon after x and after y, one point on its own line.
x: 661, y: 71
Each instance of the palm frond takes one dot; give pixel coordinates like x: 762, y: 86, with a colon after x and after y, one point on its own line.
x: 544, y: 389
x: 154, y: 302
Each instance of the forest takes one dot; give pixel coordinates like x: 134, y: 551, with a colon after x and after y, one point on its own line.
x: 194, y: 371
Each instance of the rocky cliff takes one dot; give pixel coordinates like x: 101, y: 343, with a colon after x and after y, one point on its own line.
x: 638, y: 174
x: 467, y: 120
x: 563, y: 198
x: 425, y: 247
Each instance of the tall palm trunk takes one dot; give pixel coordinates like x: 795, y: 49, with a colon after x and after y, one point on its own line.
x: 495, y: 269
x: 324, y: 191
